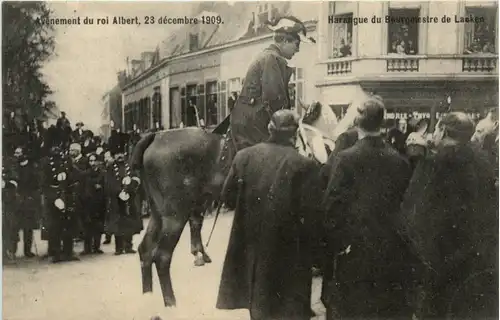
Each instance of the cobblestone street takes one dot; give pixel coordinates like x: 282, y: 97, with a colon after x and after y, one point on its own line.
x: 109, y: 287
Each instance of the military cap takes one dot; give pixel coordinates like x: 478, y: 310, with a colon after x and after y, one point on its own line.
x: 291, y: 25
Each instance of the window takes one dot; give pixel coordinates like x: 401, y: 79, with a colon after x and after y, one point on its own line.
x: 342, y: 35
x: 339, y: 110
x: 234, y: 85
x: 296, y: 89
x: 200, y: 104
x: 193, y: 42
x: 157, y: 116
x: 221, y: 86
x: 402, y: 36
x: 175, y: 108
x: 265, y: 12
x: 212, y: 113
x: 480, y: 36
x: 190, y: 109
x: 128, y: 118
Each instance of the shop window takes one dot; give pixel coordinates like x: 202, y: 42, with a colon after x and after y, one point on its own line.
x: 234, y: 85
x: 202, y: 112
x: 175, y: 109
x: 221, y: 99
x: 403, y: 31
x: 341, y: 36
x: 296, y: 89
x: 190, y: 110
x: 128, y: 118
x: 157, y: 116
x: 481, y: 36
x: 212, y: 111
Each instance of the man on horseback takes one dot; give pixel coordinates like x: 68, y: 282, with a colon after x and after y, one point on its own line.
x: 265, y: 89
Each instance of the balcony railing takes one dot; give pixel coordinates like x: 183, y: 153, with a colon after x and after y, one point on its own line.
x: 406, y: 67
x: 479, y: 64
x: 339, y: 67
x: 402, y: 64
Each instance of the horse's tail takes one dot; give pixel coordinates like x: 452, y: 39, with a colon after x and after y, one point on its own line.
x: 137, y: 158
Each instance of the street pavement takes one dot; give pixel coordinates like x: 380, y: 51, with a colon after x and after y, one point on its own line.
x: 109, y: 287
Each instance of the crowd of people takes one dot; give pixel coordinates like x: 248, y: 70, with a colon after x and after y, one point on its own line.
x: 395, y: 231
x: 71, y: 185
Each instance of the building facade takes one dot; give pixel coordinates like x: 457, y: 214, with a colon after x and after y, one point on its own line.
x: 420, y: 56
x: 204, y: 66
x: 404, y: 52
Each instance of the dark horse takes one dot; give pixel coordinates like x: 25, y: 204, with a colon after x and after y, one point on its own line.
x: 182, y: 177
x: 179, y: 170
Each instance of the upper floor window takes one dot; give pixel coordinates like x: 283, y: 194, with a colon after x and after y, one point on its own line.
x: 481, y: 35
x: 193, y: 42
x: 265, y: 12
x: 403, y: 31
x: 341, y: 35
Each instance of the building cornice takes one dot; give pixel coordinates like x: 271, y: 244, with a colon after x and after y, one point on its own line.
x: 310, y: 25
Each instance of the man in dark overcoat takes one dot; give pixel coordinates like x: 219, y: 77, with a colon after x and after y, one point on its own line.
x: 78, y: 135
x: 80, y: 190
x: 96, y: 207
x: 450, y: 216
x: 268, y: 262
x: 123, y: 218
x: 265, y: 89
x: 364, y: 184
x: 10, y: 199
x: 60, y: 222
x: 29, y: 208
x: 88, y: 144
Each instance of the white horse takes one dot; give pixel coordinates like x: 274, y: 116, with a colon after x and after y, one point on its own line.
x: 486, y: 127
x: 319, y: 127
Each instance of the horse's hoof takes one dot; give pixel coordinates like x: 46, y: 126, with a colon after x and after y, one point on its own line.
x: 169, y: 302
x: 199, y: 261
x: 206, y: 258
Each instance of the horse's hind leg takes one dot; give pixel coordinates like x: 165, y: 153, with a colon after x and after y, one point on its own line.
x: 172, y: 227
x: 197, y: 249
x: 147, y: 250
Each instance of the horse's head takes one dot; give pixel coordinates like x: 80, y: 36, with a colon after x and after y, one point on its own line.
x: 315, y: 131
x: 417, y: 142
x: 486, y: 127
x: 319, y: 127
x: 352, y: 113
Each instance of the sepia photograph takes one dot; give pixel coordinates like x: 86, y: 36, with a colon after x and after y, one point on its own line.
x: 250, y: 160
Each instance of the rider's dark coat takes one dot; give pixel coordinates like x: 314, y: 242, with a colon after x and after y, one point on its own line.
x: 365, y: 187
x: 268, y: 264
x: 265, y: 90
x: 451, y: 219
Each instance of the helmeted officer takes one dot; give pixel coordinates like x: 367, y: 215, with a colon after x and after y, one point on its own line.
x: 123, y: 217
